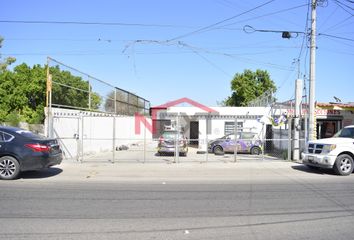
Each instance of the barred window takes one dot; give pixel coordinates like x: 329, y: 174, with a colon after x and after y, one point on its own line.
x: 230, y: 127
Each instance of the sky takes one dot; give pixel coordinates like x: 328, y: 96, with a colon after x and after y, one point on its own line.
x: 165, y: 50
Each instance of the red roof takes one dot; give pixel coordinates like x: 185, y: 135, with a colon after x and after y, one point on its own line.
x: 341, y: 105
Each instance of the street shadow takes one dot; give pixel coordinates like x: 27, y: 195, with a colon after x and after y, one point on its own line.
x: 45, y: 173
x: 318, y: 171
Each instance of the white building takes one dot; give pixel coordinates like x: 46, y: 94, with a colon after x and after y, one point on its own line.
x: 200, y: 126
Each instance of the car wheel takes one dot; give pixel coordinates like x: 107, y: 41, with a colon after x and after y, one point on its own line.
x: 343, y: 165
x: 256, y: 151
x: 9, y: 168
x: 218, y: 150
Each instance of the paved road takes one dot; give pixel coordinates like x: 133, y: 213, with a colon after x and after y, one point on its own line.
x: 265, y: 201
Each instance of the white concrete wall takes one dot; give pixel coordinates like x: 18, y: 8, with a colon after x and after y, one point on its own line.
x: 95, y: 131
x: 190, y: 111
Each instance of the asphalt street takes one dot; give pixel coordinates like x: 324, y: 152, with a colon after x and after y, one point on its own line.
x: 268, y: 200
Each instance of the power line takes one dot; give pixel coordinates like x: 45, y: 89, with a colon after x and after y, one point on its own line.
x: 305, y: 62
x: 198, y: 51
x: 291, y: 73
x: 339, y: 23
x: 306, y: 29
x: 341, y: 42
x: 92, y: 23
x: 58, y: 54
x: 137, y: 52
x: 305, y: 35
x: 269, y: 14
x: 345, y: 33
x: 342, y: 6
x: 220, y: 22
x: 333, y: 36
x: 212, y: 64
x: 301, y: 49
x: 337, y: 51
x: 266, y: 15
x: 329, y: 17
x: 250, y: 29
x: 67, y: 39
x: 278, y: 47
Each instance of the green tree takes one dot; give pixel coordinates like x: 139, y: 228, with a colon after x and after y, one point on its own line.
x: 23, y: 92
x: 7, y: 61
x: 72, y: 91
x: 248, y: 86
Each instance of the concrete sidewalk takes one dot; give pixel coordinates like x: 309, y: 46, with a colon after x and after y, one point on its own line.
x: 242, y: 171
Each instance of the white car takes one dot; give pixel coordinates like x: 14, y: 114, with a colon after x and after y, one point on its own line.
x: 336, y: 152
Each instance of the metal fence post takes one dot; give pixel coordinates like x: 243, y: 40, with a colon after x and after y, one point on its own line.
x: 206, y: 137
x: 263, y: 141
x: 114, y: 140
x: 77, y: 138
x: 82, y: 139
x: 177, y: 140
x: 115, y: 101
x: 289, y: 138
x: 145, y: 138
x: 48, y: 99
x: 236, y: 140
x: 128, y: 105
x: 89, y: 89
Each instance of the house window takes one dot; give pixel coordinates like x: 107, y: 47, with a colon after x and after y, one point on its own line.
x: 230, y: 127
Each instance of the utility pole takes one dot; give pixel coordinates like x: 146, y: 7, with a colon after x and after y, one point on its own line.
x: 305, y: 112
x: 297, y: 126
x: 311, y: 131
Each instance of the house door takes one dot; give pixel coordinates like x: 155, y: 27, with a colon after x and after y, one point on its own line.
x: 269, y: 137
x: 194, y: 133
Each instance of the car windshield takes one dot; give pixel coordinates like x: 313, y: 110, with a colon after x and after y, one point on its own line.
x: 230, y: 136
x: 345, y: 133
x: 171, y: 135
x: 247, y: 135
x: 242, y: 135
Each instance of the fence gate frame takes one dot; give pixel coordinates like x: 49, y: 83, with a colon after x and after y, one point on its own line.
x: 77, y: 136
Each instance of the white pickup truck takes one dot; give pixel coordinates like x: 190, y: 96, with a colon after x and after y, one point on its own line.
x: 336, y: 152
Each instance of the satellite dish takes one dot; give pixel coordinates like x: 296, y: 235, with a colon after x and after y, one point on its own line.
x: 337, y: 99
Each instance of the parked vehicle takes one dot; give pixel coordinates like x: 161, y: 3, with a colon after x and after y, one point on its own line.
x: 247, y: 142
x: 167, y: 143
x: 336, y: 153
x: 22, y: 150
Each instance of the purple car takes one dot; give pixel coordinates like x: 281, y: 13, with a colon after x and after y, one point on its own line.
x: 247, y: 142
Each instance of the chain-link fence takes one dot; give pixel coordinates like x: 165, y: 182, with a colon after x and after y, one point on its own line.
x: 98, y: 137
x: 72, y: 89
x: 95, y: 121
